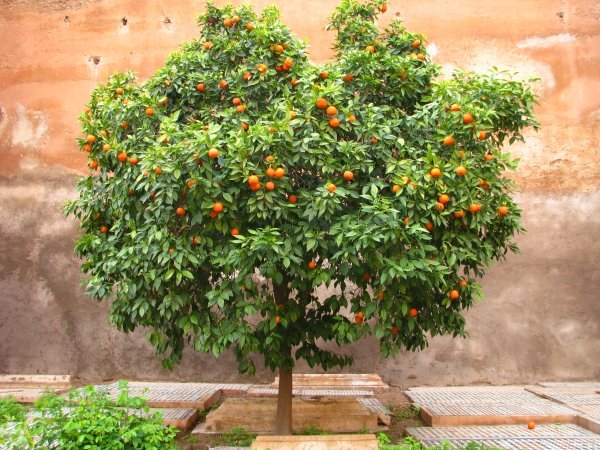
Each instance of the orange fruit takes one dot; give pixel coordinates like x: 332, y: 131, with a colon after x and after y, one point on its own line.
x: 195, y: 241
x: 331, y: 187
x: 234, y: 231
x: 503, y: 210
x: 455, y: 107
x: 277, y: 319
x: 429, y: 226
x: 351, y: 118
x: 124, y: 124
x: 190, y: 183
x: 217, y: 207
x: 270, y: 158
x: 279, y: 48
x: 157, y: 171
x: 270, y: 172
x: 292, y: 115
x: 448, y: 141
x: 244, y: 126
x: 119, y: 91
x: 87, y: 148
x: 435, y: 173
x: 247, y: 76
x: 348, y: 175
x: 241, y: 108
x: 331, y: 111
x: 236, y: 101
x: 370, y: 49
x: 149, y: 111
x: 444, y: 198
x: 463, y: 283
x: 334, y: 122
x: 228, y: 23
x: 133, y: 161
x: 439, y: 206
x: 103, y: 229
x: 531, y: 425
x: 461, y: 171
x: 374, y: 140
x: 453, y: 294
x: 312, y: 265
x: 200, y: 87
x: 394, y: 330
x: 416, y: 44
x: 395, y: 188
x: 406, y: 220
x: 213, y: 153
x: 93, y: 165
x: 358, y: 319
x: 269, y: 185
x: 420, y: 56
x: 223, y: 84
x: 459, y: 214
x: 207, y: 45
x: 489, y: 157
x: 122, y: 156
x: 292, y: 199
x: 235, y: 19
x: 279, y: 172
x: 482, y: 135
x: 180, y: 211
x: 380, y: 295
x: 348, y: 78
x: 90, y: 139
x: 413, y: 312
x: 103, y: 133
x: 250, y: 27
x: 252, y: 179
x: 106, y: 147
x: 475, y: 208
x: 467, y: 118
x: 321, y: 103
x: 323, y: 75
x: 255, y: 187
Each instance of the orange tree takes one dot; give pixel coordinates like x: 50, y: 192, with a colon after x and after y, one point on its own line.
x: 241, y: 178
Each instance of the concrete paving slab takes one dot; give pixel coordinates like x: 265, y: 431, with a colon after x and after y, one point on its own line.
x: 334, y: 442
x: 384, y: 415
x: 261, y: 391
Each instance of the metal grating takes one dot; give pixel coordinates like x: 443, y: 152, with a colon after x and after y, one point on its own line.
x: 500, y: 409
x: 374, y: 405
x: 511, y: 437
x: 490, y: 395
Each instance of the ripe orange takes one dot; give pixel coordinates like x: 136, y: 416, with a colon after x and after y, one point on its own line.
x: 234, y: 231
x: 157, y: 171
x: 87, y: 148
x: 269, y: 185
x: 461, y: 171
x: 250, y: 27
x: 190, y: 183
x: 413, y: 312
x: 255, y: 187
x: 252, y: 179
x: 213, y: 153
x: 200, y: 87
x: 207, y: 45
x: 277, y: 319
x: 213, y: 214
x: 416, y: 44
x: 348, y: 175
x: 119, y: 91
x: 247, y: 76
x: 489, y: 157
x: 312, y: 265
x: 503, y: 210
x: 435, y: 173
x: 406, y: 220
x: 270, y: 172
x: 348, y: 78
x: 374, y: 140
x: 279, y: 48
x: 133, y: 161
x: 262, y: 68
x: 370, y: 49
x: 459, y: 214
x: 244, y: 126
x: 195, y: 241
x: 292, y: 115
x: 287, y: 64
x: 420, y: 56
x: 106, y: 147
x: 217, y: 207
x: 270, y: 158
x: 122, y: 156
x: 124, y: 124
x: 180, y: 211
x: 331, y: 187
x: 531, y: 425
x: 235, y: 19
x: 93, y: 165
x: 236, y: 101
x: 463, y: 283
x: 149, y: 111
x: 334, y: 122
x: 292, y: 199
x: 429, y: 226
x: 448, y: 141
x: 351, y: 118
x: 455, y: 107
x: 461, y: 153
x: 467, y: 118
x: 439, y: 206
x: 482, y: 135
x: 331, y: 111
x: 323, y: 75
x: 91, y: 139
x: 279, y: 172
x: 475, y: 208
x: 358, y: 319
x: 453, y: 294
x: 103, y: 229
x: 395, y: 188
x: 383, y: 9
x: 223, y: 84
x: 321, y: 103
x: 228, y: 23
x: 444, y: 198
x: 241, y: 108
x: 380, y: 295
x: 394, y: 330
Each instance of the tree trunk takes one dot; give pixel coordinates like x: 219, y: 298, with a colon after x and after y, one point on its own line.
x: 283, y: 425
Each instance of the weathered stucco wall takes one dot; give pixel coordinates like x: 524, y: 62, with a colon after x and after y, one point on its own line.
x: 541, y: 312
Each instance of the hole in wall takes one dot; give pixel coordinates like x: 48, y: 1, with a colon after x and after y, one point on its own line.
x: 124, y: 21
x: 94, y: 59
x: 167, y: 20
x: 67, y: 19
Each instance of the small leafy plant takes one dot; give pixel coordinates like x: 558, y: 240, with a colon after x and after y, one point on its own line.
x: 90, y: 419
x: 237, y: 436
x: 313, y: 430
x: 11, y: 411
x: 411, y: 444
